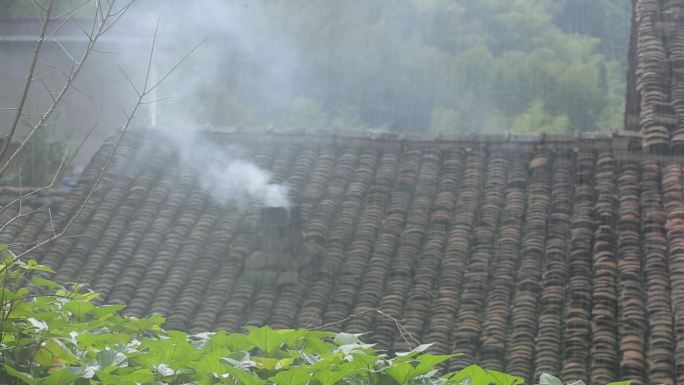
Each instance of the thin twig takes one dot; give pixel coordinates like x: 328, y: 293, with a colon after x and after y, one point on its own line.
x: 21, y: 215
x: 70, y: 12
x: 77, y: 67
x: 48, y: 73
x: 130, y: 82
x: 66, y: 52
x: 405, y: 334
x: 59, y: 28
x: 129, y: 119
x: 83, y: 141
x: 27, y: 84
x: 178, y: 64
x: 145, y: 92
x: 52, y: 224
x: 48, y: 90
x: 35, y: 191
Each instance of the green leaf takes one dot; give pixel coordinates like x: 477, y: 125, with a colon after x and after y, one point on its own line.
x: 428, y: 362
x: 284, y: 363
x: 32, y: 265
x: 79, y: 309
x: 60, y: 377
x: 108, y: 357
x: 547, y: 379
x: 266, y: 363
x: 244, y: 377
x: 293, y: 376
x: 165, y: 370
x: 402, y: 372
x: 367, y: 358
x: 147, y: 324
x: 347, y: 339
x: 329, y: 377
x: 141, y: 376
x: 314, y: 344
x: 45, y: 283
x: 265, y: 338
x: 89, y: 339
x: 210, y: 363
x: 54, y: 353
x: 236, y: 342
x: 620, y: 383
x: 406, y: 356
x: 475, y: 374
x: 500, y: 378
x: 88, y: 372
x: 39, y: 325
x: 27, y: 378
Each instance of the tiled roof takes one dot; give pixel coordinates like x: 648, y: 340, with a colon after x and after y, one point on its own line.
x: 655, y: 97
x: 561, y: 256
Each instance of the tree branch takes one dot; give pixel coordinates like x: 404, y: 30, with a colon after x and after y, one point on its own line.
x: 27, y: 84
x: 97, y: 33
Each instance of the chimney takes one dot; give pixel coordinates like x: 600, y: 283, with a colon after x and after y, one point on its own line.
x: 280, y: 237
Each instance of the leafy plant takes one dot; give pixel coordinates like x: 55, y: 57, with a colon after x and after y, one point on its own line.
x: 52, y: 334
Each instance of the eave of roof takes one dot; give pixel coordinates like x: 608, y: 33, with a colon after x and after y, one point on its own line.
x: 616, y: 141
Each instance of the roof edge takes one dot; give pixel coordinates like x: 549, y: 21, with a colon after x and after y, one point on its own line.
x: 624, y: 141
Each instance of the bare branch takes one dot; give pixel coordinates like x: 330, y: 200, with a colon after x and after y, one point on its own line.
x: 96, y: 34
x: 89, y: 36
x: 59, y: 169
x: 48, y: 73
x: 100, y: 13
x: 48, y: 90
x: 37, y: 8
x: 27, y: 85
x: 65, y: 51
x: 55, y: 177
x: 158, y: 100
x: 83, y: 141
x: 129, y: 120
x: 91, y: 192
x: 117, y: 15
x: 130, y: 82
x: 21, y: 215
x: 105, y: 52
x: 59, y: 27
x: 149, y: 61
x: 56, y: 68
x: 52, y: 224
x: 80, y: 91
x: 71, y: 12
x: 175, y: 66
x: 405, y: 334
x: 123, y: 9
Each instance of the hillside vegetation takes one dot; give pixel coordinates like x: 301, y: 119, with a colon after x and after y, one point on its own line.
x: 441, y: 65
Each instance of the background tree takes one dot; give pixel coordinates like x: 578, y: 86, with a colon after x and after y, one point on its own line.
x: 447, y: 65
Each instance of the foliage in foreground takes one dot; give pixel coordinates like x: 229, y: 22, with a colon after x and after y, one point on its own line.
x: 54, y: 335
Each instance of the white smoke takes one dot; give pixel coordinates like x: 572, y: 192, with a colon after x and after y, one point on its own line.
x: 223, y: 173
x: 245, y: 177
x: 218, y: 168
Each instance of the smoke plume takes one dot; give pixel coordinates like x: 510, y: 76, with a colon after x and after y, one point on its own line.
x: 231, y: 33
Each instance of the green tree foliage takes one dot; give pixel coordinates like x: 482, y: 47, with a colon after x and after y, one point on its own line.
x: 442, y: 65
x: 54, y: 335
x: 417, y: 65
